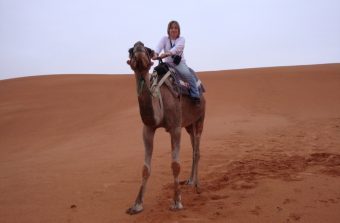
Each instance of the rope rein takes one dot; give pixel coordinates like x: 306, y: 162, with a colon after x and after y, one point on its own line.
x: 154, y: 89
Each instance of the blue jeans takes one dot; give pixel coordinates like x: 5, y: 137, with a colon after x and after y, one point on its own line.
x: 183, y: 70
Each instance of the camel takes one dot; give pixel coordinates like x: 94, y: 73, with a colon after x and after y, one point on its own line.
x: 164, y: 110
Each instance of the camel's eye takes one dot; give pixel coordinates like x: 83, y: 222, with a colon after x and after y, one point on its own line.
x: 130, y: 52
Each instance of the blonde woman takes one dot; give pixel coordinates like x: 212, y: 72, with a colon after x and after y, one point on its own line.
x: 172, y: 47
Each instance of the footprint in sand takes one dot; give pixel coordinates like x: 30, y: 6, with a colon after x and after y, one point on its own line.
x: 294, y: 217
x: 243, y: 185
x: 288, y: 201
x: 256, y: 210
x: 218, y: 197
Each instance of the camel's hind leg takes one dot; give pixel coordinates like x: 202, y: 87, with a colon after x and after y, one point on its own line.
x: 148, y: 135
x: 195, y: 132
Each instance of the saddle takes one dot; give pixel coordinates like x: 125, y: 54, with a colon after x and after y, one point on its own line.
x: 175, y: 82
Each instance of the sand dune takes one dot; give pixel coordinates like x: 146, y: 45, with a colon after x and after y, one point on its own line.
x: 71, y: 149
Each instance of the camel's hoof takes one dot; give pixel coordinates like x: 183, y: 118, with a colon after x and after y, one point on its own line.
x: 198, y: 189
x: 186, y: 182
x: 176, y: 206
x: 135, y: 209
x: 191, y: 183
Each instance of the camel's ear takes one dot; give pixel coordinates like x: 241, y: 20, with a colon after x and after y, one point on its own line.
x: 130, y: 52
x: 150, y: 51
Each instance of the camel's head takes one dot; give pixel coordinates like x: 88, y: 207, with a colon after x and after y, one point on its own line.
x: 140, y: 58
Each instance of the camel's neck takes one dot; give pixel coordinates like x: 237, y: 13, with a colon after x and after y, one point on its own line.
x: 149, y: 106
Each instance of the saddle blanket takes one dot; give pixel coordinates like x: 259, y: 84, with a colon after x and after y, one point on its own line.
x: 179, y: 84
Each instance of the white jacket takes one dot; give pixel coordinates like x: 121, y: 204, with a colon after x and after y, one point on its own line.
x: 176, y: 49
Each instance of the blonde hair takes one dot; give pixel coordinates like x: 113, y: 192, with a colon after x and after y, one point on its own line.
x: 173, y: 22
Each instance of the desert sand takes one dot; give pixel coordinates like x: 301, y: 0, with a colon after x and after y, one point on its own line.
x: 71, y: 149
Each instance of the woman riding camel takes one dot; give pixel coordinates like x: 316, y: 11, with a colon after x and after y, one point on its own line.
x: 173, y: 47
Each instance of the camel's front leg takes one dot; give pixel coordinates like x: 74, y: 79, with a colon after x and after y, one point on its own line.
x: 148, y: 135
x: 175, y: 165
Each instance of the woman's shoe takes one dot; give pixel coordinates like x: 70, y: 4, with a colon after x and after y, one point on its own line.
x: 196, y: 100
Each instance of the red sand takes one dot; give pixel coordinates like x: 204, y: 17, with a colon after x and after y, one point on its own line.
x: 71, y: 149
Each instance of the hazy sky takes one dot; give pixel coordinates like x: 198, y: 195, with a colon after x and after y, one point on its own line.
x: 93, y: 36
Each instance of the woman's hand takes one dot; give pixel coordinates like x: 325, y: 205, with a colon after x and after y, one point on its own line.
x: 155, y: 56
x: 163, y: 55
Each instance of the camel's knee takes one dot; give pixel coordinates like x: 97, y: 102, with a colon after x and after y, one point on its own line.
x: 176, y: 168
x: 146, y: 172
